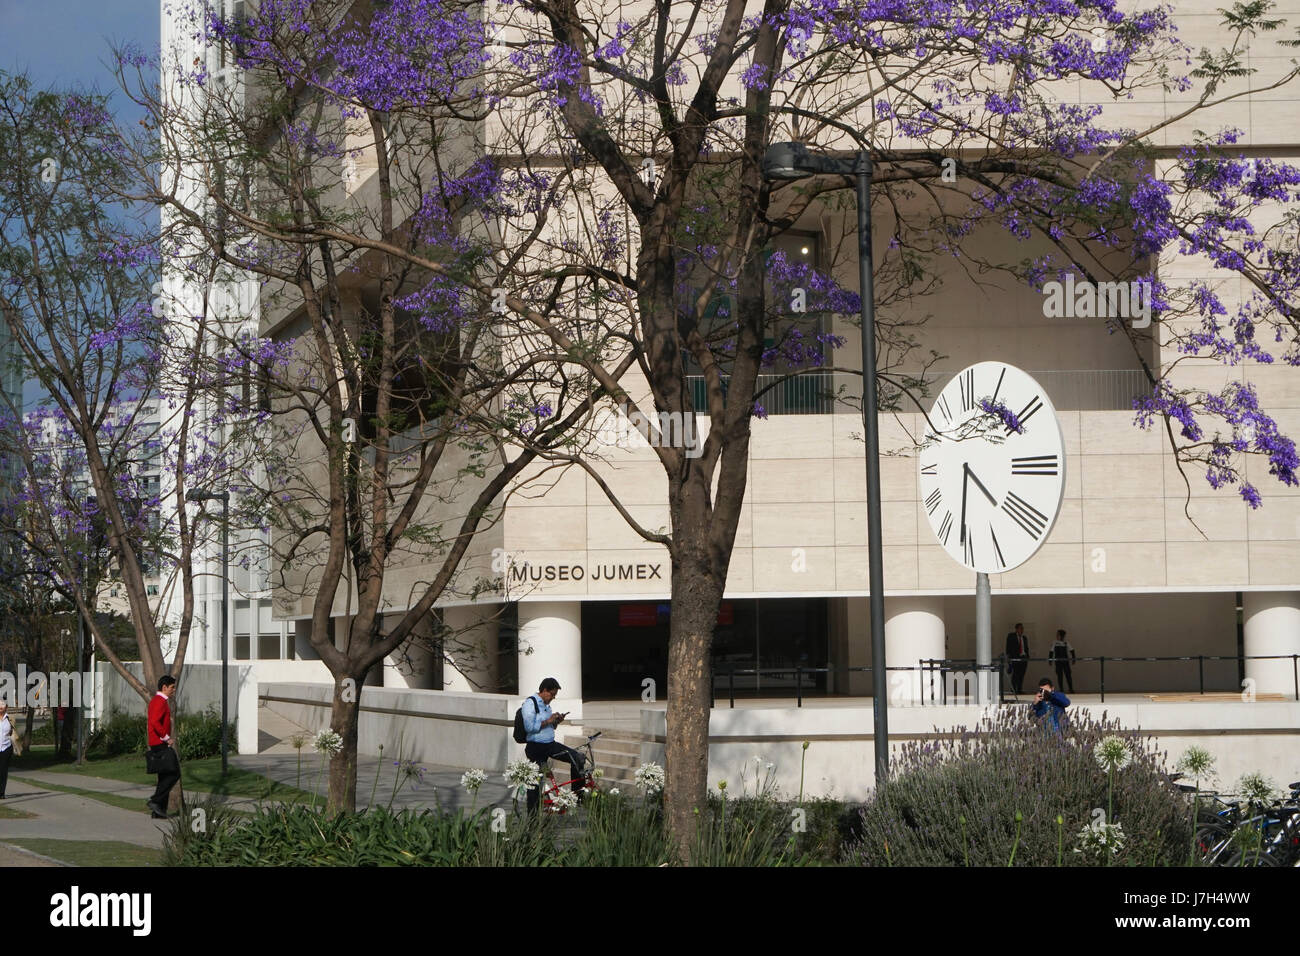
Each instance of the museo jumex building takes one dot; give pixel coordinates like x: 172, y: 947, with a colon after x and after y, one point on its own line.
x: 1133, y: 562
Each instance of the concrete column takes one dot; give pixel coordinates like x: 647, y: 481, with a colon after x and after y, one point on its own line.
x: 412, y: 664
x: 1272, y: 626
x: 254, y: 627
x: 914, y: 631
x: 550, y: 645
x: 470, y: 648
x: 857, y: 611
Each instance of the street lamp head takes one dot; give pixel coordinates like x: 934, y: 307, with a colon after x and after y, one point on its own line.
x: 787, y: 161
x: 198, y: 494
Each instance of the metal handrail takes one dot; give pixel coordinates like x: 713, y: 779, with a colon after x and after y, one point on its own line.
x: 940, y: 666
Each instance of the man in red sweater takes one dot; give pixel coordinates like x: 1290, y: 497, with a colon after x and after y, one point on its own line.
x: 160, y: 742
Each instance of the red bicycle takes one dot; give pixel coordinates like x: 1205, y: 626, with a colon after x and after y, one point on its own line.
x: 556, y: 797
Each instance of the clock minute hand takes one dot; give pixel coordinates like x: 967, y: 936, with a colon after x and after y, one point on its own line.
x: 993, y: 501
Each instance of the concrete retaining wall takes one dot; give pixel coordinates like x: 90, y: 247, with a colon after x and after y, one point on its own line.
x: 840, y: 761
x: 443, y: 728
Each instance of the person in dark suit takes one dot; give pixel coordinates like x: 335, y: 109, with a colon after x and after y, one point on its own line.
x: 1017, y: 657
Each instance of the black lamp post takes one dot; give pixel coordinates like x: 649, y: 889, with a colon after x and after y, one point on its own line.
x: 788, y: 161
x: 198, y: 494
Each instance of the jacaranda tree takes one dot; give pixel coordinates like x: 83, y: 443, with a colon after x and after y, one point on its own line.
x: 110, y: 448
x: 594, y: 174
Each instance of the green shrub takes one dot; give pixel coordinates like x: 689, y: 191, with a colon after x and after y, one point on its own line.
x: 198, y: 735
x: 120, y: 734
x: 305, y: 836
x: 617, y: 832
x: 44, y: 734
x: 1010, y: 764
x: 611, y: 831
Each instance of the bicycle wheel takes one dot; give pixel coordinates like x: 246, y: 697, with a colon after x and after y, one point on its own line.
x: 555, y: 800
x: 1251, y: 858
x: 1212, y: 842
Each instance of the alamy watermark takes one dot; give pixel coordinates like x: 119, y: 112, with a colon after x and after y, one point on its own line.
x: 660, y: 430
x: 1098, y: 300
x: 34, y: 689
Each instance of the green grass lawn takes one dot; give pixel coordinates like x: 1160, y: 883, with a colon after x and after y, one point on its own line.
x: 203, y: 776
x: 13, y: 813
x: 91, y: 852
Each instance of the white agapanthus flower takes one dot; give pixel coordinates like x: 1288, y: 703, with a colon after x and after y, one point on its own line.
x: 471, y: 780
x: 650, y: 778
x: 522, y: 775
x: 1197, y: 764
x: 614, y: 792
x: 564, y: 799
x: 1113, y: 753
x: 1100, y: 838
x: 597, y: 774
x: 1257, y: 789
x: 327, y: 742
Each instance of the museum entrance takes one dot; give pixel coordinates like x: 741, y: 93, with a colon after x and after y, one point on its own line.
x: 625, y: 644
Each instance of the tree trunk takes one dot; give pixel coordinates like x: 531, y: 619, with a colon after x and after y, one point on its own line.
x: 344, y: 716
x: 697, y: 595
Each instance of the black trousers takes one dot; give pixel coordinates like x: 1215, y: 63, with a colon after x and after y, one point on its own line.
x: 540, y: 753
x: 1018, y: 668
x: 166, y: 780
x: 1063, y: 675
x: 4, y: 768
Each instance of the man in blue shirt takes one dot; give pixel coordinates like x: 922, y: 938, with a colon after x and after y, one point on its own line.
x: 540, y: 724
x: 1050, y: 705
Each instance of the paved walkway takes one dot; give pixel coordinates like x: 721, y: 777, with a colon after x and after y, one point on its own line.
x: 70, y: 816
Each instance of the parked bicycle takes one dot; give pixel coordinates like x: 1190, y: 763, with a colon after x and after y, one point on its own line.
x: 1230, y: 833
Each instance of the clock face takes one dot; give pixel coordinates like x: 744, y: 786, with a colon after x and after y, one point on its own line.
x: 992, y: 494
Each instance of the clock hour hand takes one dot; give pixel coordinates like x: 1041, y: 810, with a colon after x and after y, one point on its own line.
x: 993, y: 501
x: 965, y: 473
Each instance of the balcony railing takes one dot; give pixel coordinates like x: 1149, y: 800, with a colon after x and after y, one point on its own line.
x: 807, y: 394
x: 1087, y: 390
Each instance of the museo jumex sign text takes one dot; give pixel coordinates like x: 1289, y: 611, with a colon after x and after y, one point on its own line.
x: 526, y: 573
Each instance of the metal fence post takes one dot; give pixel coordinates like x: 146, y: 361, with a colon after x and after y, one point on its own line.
x: 1200, y: 663
x: 1103, y: 678
x: 798, y: 685
x: 731, y: 686
x: 1295, y: 676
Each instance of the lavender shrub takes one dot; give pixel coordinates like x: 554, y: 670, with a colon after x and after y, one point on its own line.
x: 1010, y: 763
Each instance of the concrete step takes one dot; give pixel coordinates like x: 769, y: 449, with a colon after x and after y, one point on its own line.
x: 606, y: 759
x: 617, y: 753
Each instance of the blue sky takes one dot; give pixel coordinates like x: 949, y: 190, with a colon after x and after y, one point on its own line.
x: 67, y: 42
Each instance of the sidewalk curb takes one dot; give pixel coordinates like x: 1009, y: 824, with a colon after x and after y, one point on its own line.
x: 40, y: 856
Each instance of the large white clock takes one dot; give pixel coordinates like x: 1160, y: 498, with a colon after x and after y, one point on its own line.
x: 992, y: 494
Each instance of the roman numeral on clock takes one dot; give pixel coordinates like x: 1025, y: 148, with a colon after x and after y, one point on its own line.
x: 945, y: 528
x: 968, y: 549
x: 932, y: 501
x: 1025, y: 515
x: 967, y: 383
x: 1027, y: 412
x: 1035, y: 465
x: 1002, y: 562
x: 930, y: 469
x: 943, y: 407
